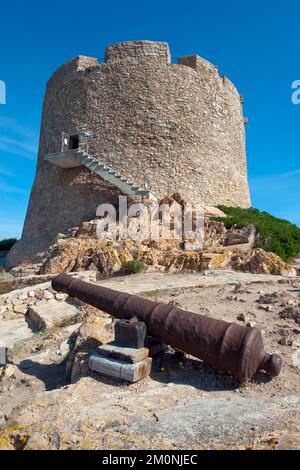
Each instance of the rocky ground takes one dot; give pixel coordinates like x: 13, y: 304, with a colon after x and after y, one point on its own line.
x: 50, y: 400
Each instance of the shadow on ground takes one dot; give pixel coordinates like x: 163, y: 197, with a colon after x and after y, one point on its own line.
x: 167, y: 367
x: 53, y: 375
x: 178, y: 369
x: 170, y: 367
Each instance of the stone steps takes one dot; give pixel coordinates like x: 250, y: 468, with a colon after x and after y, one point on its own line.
x: 76, y: 158
x: 111, y: 176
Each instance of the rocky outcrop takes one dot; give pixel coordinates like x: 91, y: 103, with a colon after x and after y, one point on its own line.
x: 215, y: 260
x: 258, y: 261
x: 80, y: 254
x: 235, y: 236
x: 214, y: 236
x: 80, y: 249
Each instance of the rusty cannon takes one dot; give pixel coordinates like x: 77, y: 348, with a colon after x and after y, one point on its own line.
x: 228, y: 347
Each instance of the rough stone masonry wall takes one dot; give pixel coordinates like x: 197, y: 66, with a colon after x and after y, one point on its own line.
x: 179, y: 125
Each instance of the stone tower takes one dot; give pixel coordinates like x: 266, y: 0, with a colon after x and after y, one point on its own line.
x: 134, y: 124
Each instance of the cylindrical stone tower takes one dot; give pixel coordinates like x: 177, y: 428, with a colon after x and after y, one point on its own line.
x: 180, y: 127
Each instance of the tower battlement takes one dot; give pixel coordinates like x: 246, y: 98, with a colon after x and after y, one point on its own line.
x: 138, y: 51
x: 78, y: 63
x: 199, y: 64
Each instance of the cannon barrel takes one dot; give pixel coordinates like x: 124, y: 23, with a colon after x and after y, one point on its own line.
x: 228, y: 347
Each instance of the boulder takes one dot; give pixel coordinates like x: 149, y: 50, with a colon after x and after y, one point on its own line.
x: 88, y: 229
x: 214, y: 236
x: 23, y: 296
x: 275, y: 297
x: 9, y: 371
x: 214, y: 260
x: 84, y: 254
x: 292, y: 313
x: 258, y: 261
x: 244, y: 235
x: 48, y: 295
x: 22, y: 308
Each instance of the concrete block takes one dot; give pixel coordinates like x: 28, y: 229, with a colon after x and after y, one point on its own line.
x: 130, y: 334
x: 114, y: 351
x: 119, y: 369
x: 53, y: 314
x: 3, y: 352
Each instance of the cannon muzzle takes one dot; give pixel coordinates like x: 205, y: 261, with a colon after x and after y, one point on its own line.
x: 228, y: 347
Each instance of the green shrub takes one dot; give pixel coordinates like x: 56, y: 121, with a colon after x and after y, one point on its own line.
x: 277, y: 235
x: 7, y: 243
x: 133, y: 266
x: 111, y: 424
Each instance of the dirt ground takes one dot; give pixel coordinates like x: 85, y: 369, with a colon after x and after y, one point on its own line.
x: 183, y: 404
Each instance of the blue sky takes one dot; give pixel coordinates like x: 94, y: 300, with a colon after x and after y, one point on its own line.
x: 256, y: 44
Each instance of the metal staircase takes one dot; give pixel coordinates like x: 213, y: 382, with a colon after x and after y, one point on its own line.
x: 75, y: 158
